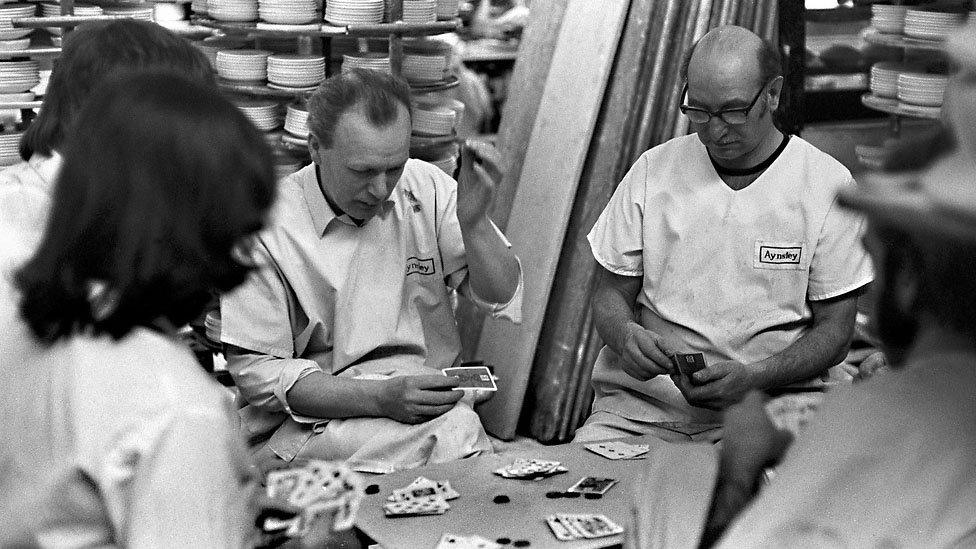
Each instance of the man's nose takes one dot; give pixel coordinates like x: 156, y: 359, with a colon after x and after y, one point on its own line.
x: 717, y: 128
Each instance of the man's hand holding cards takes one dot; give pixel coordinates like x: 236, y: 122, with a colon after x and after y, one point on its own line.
x: 688, y: 364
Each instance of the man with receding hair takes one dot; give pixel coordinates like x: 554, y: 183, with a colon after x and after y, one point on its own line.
x: 338, y: 338
x: 726, y: 242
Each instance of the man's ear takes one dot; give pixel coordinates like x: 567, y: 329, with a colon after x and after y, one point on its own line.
x: 775, y: 92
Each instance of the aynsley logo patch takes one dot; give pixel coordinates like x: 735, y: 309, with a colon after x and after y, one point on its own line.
x: 780, y: 255
x: 416, y: 265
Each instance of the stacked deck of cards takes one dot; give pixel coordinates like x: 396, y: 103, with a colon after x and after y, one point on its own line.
x: 419, y: 11
x: 287, y: 12
x: 13, y: 11
x: 352, y: 12
x: 616, y: 449
x: 447, y: 9
x: 421, y: 497
x: 18, y: 76
x: 264, y: 114
x: 531, y: 469
x: 244, y: 65
x: 296, y: 121
x: 569, y: 527
x: 688, y: 363
x: 319, y: 488
x: 368, y: 60
x: 233, y: 10
x: 296, y: 71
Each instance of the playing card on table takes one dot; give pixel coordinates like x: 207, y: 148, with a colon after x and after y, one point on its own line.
x: 560, y: 530
x: 433, y: 505
x: 454, y: 541
x: 423, y: 487
x: 592, y: 485
x: 530, y: 468
x: 688, y: 363
x: 616, y: 449
x: 590, y: 526
x: 472, y: 377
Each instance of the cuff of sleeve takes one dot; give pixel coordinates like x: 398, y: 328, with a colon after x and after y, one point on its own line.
x: 512, y: 310
x: 824, y: 295
x: 290, y: 375
x: 616, y: 269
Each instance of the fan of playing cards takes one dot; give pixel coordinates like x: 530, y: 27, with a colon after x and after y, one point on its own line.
x: 421, y: 497
x: 319, y: 488
x: 568, y: 527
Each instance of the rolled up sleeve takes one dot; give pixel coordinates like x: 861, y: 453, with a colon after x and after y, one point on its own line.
x: 264, y: 381
x: 511, y: 310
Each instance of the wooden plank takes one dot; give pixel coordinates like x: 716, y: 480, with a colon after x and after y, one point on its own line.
x: 561, y: 133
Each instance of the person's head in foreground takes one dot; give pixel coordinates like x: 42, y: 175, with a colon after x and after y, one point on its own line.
x: 163, y: 183
x: 922, y: 228
x: 93, y: 54
x: 359, y: 138
x: 733, y: 84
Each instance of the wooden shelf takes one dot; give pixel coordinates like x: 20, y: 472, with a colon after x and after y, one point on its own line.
x: 380, y: 30
x: 893, y: 106
x: 874, y: 36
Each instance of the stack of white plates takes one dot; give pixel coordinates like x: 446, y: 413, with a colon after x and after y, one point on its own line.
x: 351, y: 12
x: 296, y: 71
x: 931, y: 25
x: 9, y: 142
x: 373, y: 61
x: 888, y: 19
x: 143, y: 13
x: 41, y: 87
x: 12, y: 11
x: 433, y: 120
x: 884, y: 78
x: 18, y: 76
x: 296, y: 121
x: 287, y: 12
x: 233, y: 10
x: 922, y: 89
x: 424, y: 68
x: 199, y: 7
x: 18, y: 44
x: 264, y: 114
x: 212, y: 44
x: 53, y: 10
x: 419, y: 11
x: 448, y: 9
x: 243, y: 64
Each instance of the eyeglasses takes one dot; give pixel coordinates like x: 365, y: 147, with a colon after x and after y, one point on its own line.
x: 729, y: 116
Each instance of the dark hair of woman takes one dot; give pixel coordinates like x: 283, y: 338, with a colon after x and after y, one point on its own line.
x: 163, y: 181
x: 94, y: 53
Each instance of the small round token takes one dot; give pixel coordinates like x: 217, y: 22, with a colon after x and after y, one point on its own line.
x: 501, y: 499
x: 571, y: 495
x: 521, y: 543
x: 592, y: 496
x: 503, y: 541
x: 372, y: 489
x: 554, y: 495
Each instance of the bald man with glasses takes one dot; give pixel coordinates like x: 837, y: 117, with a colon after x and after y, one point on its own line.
x: 726, y: 242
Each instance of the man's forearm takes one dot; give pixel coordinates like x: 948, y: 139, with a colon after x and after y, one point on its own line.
x: 319, y: 394
x: 823, y: 346
x: 493, y: 271
x: 612, y: 317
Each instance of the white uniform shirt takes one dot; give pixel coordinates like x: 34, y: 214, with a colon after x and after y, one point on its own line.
x: 726, y: 273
